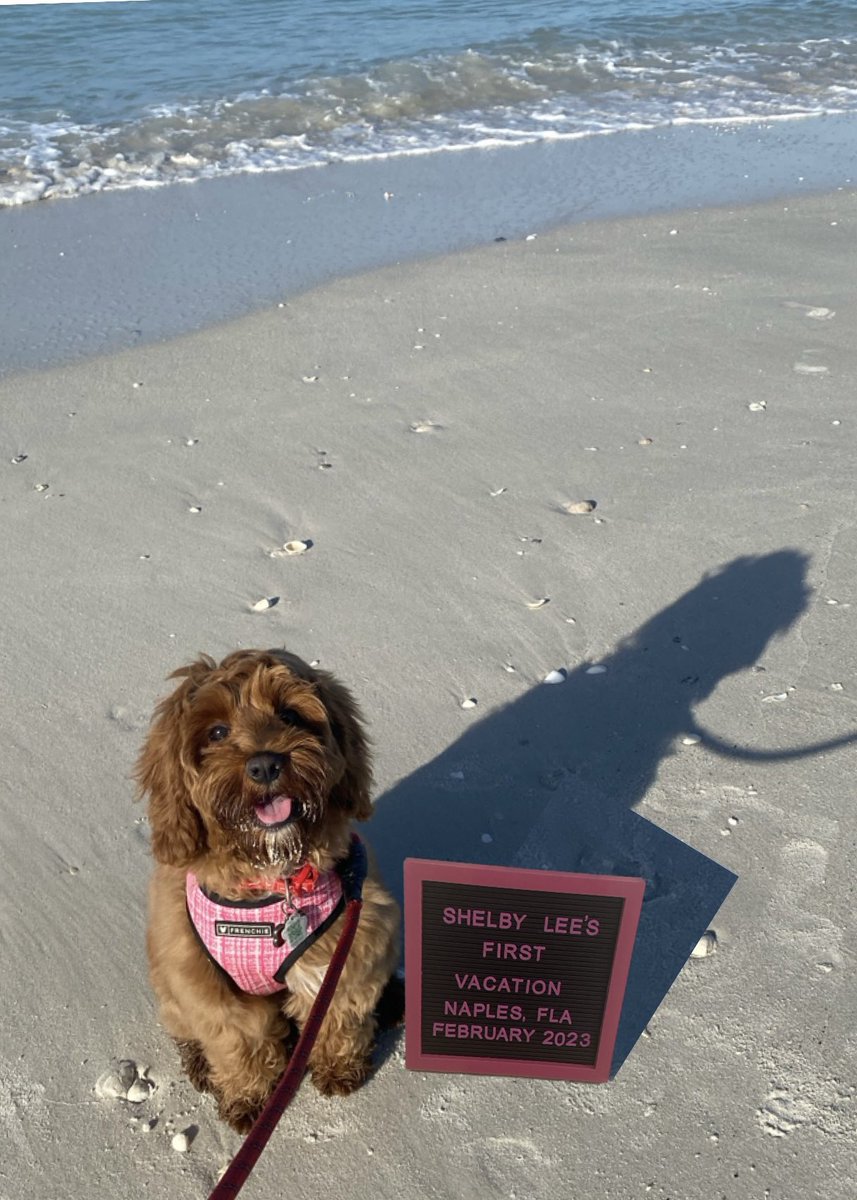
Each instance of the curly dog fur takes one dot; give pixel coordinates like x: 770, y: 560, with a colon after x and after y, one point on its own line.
x: 204, y: 800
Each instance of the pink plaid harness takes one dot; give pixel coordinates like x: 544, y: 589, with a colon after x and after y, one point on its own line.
x: 257, y: 941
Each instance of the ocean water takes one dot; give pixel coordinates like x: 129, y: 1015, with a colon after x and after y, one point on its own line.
x: 142, y: 94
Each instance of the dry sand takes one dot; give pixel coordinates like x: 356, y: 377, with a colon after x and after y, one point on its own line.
x: 423, y: 427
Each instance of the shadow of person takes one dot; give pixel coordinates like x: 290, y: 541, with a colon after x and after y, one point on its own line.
x: 551, y: 780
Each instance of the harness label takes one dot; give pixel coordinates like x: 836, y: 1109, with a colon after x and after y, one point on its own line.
x: 244, y: 929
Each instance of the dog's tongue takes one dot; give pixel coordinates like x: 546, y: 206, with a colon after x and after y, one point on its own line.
x: 275, y: 810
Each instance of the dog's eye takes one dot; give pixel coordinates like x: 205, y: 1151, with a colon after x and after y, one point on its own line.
x: 289, y: 717
x: 218, y: 732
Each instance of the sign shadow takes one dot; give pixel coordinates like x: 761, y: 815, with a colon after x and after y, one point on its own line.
x: 551, y: 780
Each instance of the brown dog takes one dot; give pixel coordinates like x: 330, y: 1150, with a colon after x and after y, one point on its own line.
x: 254, y: 770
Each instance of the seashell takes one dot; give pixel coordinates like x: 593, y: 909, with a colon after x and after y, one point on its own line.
x: 423, y: 427
x: 691, y: 739
x: 805, y: 368
x: 19, y: 458
x: 265, y: 603
x: 540, y: 603
x: 127, y: 1071
x: 139, y: 1091
x: 40, y: 487
x: 775, y: 697
x: 181, y: 1142
x: 114, y: 1084
x: 645, y: 441
x: 706, y: 945
x: 757, y: 405
x: 109, y: 1086
x: 289, y: 549
x: 597, y: 669
x: 578, y: 507
x: 836, y: 687
x: 470, y: 702
x: 557, y: 676
x: 309, y: 378
x: 498, y: 492
x: 195, y: 508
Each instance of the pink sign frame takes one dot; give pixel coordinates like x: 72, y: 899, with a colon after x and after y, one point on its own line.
x: 469, y: 878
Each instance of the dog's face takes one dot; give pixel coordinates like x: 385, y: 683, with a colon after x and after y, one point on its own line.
x: 258, y: 760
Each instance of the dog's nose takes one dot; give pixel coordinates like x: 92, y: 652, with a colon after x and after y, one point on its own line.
x: 266, y: 767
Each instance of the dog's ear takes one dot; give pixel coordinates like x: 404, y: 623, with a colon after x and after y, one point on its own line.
x: 352, y: 792
x: 163, y: 771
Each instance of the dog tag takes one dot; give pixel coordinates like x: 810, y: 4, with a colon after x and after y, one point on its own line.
x: 294, y: 928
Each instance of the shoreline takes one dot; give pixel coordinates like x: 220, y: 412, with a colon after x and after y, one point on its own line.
x: 111, y: 271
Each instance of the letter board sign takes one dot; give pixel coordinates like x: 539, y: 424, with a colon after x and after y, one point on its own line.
x: 516, y: 972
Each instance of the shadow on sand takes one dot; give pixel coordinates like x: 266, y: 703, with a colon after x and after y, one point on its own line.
x: 554, y: 776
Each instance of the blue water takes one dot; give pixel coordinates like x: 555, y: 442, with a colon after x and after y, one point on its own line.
x: 119, y: 95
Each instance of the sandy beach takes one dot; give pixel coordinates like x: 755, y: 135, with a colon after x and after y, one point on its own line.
x: 424, y: 426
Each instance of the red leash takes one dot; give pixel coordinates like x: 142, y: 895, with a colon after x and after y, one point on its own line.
x: 239, y: 1169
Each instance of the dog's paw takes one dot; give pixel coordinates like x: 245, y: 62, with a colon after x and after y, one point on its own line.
x: 195, y: 1065
x: 340, y: 1078
x: 239, y: 1114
